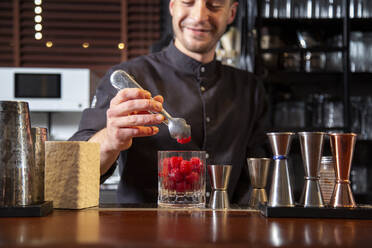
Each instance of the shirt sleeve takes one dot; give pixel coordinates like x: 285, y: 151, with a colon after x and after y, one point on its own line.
x: 94, y: 118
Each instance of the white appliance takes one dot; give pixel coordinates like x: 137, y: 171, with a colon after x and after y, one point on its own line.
x: 47, y: 89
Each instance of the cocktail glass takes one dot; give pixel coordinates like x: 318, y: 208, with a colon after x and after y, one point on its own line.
x: 181, y: 179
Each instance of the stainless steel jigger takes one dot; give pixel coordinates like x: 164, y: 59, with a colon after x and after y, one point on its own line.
x: 219, y: 177
x: 281, y: 194
x: 311, y: 150
x: 258, y: 169
x: 342, y: 145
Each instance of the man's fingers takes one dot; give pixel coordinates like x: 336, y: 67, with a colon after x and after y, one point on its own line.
x: 143, y: 131
x: 159, y: 98
x: 130, y: 94
x: 135, y: 106
x: 137, y: 120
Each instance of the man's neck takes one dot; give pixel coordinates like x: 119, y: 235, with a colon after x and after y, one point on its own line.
x: 203, y: 58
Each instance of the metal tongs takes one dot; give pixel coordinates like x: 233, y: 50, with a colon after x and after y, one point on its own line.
x: 178, y: 128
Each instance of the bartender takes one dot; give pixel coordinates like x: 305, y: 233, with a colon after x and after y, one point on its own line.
x: 226, y: 107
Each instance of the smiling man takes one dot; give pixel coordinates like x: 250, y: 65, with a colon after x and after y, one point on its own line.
x: 225, y: 107
x: 198, y: 25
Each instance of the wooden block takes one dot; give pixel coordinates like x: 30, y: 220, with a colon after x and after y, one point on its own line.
x: 72, y: 172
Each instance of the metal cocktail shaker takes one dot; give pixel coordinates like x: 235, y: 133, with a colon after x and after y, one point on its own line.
x: 311, y: 150
x: 258, y: 170
x: 39, y: 136
x: 281, y: 194
x: 342, y: 145
x: 17, y: 159
x: 219, y: 177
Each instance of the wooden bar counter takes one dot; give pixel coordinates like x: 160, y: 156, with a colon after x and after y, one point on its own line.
x: 152, y: 227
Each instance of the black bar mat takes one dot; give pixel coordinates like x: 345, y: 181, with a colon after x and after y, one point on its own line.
x: 36, y: 210
x: 360, y: 212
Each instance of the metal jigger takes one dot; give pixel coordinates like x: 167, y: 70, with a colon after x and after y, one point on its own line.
x: 311, y: 150
x: 258, y: 169
x: 219, y: 177
x: 281, y: 194
x: 342, y: 145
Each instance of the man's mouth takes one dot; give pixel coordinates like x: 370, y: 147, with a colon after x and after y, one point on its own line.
x: 200, y: 30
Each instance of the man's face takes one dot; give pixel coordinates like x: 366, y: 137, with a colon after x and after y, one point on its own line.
x: 199, y: 24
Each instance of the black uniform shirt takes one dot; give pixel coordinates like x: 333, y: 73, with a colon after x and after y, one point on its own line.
x: 225, y: 107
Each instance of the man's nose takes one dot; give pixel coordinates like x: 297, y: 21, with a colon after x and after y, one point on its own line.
x: 200, y: 12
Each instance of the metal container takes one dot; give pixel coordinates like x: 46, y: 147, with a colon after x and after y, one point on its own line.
x: 342, y: 145
x: 311, y: 150
x: 39, y: 136
x: 258, y: 170
x: 17, y: 160
x: 281, y: 194
x: 219, y: 177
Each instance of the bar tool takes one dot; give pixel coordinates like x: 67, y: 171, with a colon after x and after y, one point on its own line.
x: 342, y: 145
x: 311, y: 150
x: 327, y: 177
x: 258, y: 170
x: 219, y: 177
x: 39, y: 136
x: 17, y: 159
x: 281, y: 194
x: 178, y: 128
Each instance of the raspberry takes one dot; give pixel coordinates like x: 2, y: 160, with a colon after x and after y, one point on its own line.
x: 196, y: 164
x: 166, y: 162
x: 175, y: 162
x: 166, y: 167
x: 185, y: 167
x: 175, y: 175
x: 188, y: 187
x: 184, y: 140
x: 181, y: 186
x: 192, y: 178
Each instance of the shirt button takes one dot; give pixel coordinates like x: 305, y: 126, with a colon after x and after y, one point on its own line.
x: 202, y: 69
x: 202, y: 88
x: 206, y: 155
x: 207, y: 119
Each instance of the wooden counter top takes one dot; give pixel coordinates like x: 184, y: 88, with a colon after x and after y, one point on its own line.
x: 151, y: 227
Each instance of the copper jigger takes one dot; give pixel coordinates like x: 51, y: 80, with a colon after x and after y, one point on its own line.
x: 258, y: 170
x: 342, y: 145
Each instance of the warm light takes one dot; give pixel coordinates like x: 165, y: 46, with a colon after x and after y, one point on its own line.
x: 38, y: 10
x: 49, y: 44
x: 38, y: 18
x: 38, y: 27
x: 85, y: 44
x: 121, y: 46
x: 38, y: 36
x: 37, y: 2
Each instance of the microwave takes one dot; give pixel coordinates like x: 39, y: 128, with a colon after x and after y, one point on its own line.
x: 47, y: 89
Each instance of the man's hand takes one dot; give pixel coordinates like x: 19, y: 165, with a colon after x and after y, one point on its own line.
x: 128, y: 117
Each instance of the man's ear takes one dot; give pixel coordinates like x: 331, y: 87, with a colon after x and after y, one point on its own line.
x: 233, y: 10
x: 171, y: 3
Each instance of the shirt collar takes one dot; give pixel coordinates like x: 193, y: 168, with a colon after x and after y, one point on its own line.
x: 189, y: 65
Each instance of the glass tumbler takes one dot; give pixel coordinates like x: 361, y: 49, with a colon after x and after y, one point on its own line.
x: 181, y: 179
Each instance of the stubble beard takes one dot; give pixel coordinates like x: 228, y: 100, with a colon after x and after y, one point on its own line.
x: 192, y: 43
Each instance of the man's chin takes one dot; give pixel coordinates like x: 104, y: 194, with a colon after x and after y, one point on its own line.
x: 199, y: 47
